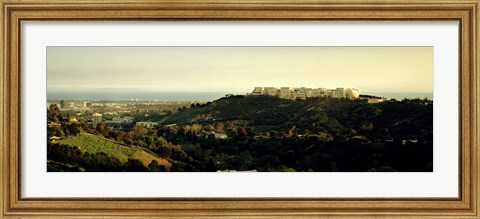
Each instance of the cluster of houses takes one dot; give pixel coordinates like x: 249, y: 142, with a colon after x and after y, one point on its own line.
x: 121, y: 120
x: 68, y: 104
x: 304, y: 92
x: 147, y: 124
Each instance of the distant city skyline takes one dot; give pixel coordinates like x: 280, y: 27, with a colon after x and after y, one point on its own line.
x: 238, y: 69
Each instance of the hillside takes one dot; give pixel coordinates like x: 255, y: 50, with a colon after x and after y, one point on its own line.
x: 93, y: 144
x: 318, y: 134
x: 334, y: 116
x: 255, y: 133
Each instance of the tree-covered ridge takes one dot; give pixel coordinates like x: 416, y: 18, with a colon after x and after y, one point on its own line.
x: 313, y: 116
x: 264, y: 133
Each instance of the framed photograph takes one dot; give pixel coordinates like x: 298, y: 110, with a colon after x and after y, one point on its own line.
x: 251, y: 109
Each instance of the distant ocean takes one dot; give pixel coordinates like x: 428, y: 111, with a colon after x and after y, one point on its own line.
x: 121, y: 95
x: 189, y: 96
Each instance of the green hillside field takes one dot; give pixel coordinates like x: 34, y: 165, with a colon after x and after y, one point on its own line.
x: 90, y: 143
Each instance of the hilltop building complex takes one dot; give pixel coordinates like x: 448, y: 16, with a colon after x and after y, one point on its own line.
x: 303, y: 92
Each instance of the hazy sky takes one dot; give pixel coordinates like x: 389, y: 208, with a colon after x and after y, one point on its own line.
x: 239, y: 69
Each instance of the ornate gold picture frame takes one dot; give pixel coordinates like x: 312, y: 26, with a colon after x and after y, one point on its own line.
x: 14, y: 12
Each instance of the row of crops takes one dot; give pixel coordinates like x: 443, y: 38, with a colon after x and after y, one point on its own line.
x: 94, y: 144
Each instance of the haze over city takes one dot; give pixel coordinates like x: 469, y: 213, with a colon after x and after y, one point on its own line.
x: 238, y: 69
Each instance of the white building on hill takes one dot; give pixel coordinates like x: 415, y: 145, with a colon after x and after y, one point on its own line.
x: 303, y: 92
x: 352, y: 93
